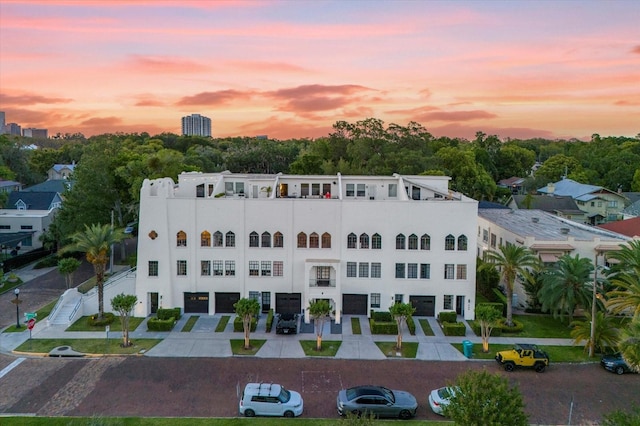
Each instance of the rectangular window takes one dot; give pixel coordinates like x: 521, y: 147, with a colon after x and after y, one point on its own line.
x: 448, y: 302
x: 412, y: 270
x: 153, y: 268
x: 351, y: 269
x: 398, y: 298
x: 425, y: 271
x: 254, y: 268
x: 351, y: 192
x: 493, y: 240
x: 217, y: 268
x: 399, y: 270
x: 612, y: 204
x: 181, y: 265
x: 363, y: 270
x: 278, y: 268
x: 205, y: 267
x: 265, y: 268
x: 376, y: 270
x: 375, y: 300
x: 485, y: 236
x: 26, y: 227
x: 360, y: 190
x: 461, y: 272
x: 239, y: 187
x: 254, y: 295
x: 230, y: 268
x: 304, y: 189
x: 315, y: 189
x: 393, y: 190
x: 449, y: 270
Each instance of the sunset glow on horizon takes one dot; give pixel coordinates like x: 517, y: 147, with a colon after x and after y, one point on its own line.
x: 291, y: 69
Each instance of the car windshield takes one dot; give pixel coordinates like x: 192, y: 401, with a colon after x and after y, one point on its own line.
x: 445, y: 393
x: 284, y: 396
x: 389, y: 395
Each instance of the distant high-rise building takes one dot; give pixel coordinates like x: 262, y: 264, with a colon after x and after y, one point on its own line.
x: 12, y: 129
x: 35, y: 133
x: 196, y: 125
x: 2, y: 122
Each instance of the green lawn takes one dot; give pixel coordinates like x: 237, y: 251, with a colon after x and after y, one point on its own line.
x: 88, y: 346
x: 82, y: 324
x: 42, y: 314
x: 190, y: 323
x: 409, y: 349
x: 542, y: 326
x: 222, y: 324
x: 426, y: 327
x: 355, y: 325
x: 329, y: 347
x: 237, y: 346
x: 556, y: 353
x: 186, y: 421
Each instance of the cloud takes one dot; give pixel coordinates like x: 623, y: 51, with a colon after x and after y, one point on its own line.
x: 306, y: 99
x: 164, y: 65
x: 636, y: 49
x: 278, y: 128
x: 148, y: 100
x: 627, y: 103
x: 220, y: 97
x: 314, y: 90
x: 30, y: 99
x: 455, y: 115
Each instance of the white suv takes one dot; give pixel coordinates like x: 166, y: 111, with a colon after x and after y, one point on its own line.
x: 269, y: 399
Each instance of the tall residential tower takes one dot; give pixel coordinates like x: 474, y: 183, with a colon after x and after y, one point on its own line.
x: 196, y: 125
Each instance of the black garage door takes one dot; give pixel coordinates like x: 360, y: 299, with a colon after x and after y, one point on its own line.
x: 225, y: 301
x: 288, y: 303
x: 196, y: 303
x: 425, y: 305
x: 354, y: 304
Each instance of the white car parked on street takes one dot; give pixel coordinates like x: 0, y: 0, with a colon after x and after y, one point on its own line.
x: 269, y: 399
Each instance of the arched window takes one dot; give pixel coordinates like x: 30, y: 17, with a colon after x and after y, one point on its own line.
x: 254, y: 239
x: 364, y: 241
x: 462, y: 242
x: 376, y: 242
x: 352, y: 240
x: 217, y: 239
x: 326, y: 240
x: 266, y: 239
x: 205, y: 239
x: 230, y: 239
x: 278, y: 239
x: 302, y: 240
x: 425, y: 242
x: 400, y: 242
x: 413, y: 242
x: 450, y: 242
x: 181, y: 239
x: 314, y: 240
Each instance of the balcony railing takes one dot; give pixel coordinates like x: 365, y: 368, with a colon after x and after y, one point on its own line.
x: 321, y: 282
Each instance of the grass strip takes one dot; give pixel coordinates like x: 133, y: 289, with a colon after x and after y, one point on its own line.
x: 190, y: 323
x: 329, y: 347
x: 426, y: 327
x: 222, y: 324
x: 556, y: 353
x: 82, y: 324
x: 88, y: 346
x: 409, y: 349
x: 355, y: 325
x: 237, y: 346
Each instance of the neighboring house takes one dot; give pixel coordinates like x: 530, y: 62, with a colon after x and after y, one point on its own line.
x: 547, y: 235
x: 515, y: 184
x: 26, y: 217
x: 600, y: 204
x: 628, y: 227
x: 9, y: 186
x: 55, y: 185
x: 61, y: 171
x: 565, y: 207
x: 633, y: 206
x: 361, y: 242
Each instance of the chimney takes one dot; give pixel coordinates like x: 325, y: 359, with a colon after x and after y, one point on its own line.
x: 551, y: 188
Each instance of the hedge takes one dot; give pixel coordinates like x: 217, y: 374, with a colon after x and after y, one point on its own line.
x: 383, y: 327
x: 411, y: 325
x: 269, y: 320
x: 453, y: 328
x: 381, y: 316
x: 155, y: 324
x: 502, y: 307
x: 517, y: 327
x: 447, y: 316
x: 238, y: 326
x: 164, y: 314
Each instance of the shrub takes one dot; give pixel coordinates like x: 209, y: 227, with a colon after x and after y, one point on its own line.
x: 156, y: 324
x: 501, y: 307
x: 269, y: 320
x: 239, y: 327
x: 453, y: 328
x: 381, y: 316
x: 47, y: 262
x: 447, y: 316
x: 517, y: 327
x: 383, y: 327
x: 165, y: 314
x: 411, y: 324
x: 107, y: 318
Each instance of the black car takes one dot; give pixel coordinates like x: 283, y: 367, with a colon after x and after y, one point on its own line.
x: 287, y: 324
x: 615, y: 364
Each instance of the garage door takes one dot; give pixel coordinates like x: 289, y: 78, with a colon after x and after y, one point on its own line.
x: 354, y: 304
x: 225, y: 301
x: 288, y: 303
x: 196, y: 303
x: 425, y: 305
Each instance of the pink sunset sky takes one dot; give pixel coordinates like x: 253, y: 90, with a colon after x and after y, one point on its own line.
x: 291, y: 69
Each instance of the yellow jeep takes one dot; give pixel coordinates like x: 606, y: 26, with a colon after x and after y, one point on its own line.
x: 523, y: 355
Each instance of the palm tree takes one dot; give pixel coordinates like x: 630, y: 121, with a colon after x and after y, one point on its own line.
x: 96, y: 241
x: 630, y: 344
x: 606, y: 331
x: 625, y: 296
x: 512, y: 261
x: 566, y: 285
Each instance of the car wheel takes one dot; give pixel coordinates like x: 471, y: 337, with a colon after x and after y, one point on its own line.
x: 539, y: 367
x: 405, y: 414
x: 249, y: 413
x: 288, y: 414
x: 509, y: 366
x: 619, y: 370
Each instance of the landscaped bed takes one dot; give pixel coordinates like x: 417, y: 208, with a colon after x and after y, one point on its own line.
x: 82, y: 324
x: 237, y: 346
x: 409, y: 349
x: 329, y: 347
x: 89, y: 346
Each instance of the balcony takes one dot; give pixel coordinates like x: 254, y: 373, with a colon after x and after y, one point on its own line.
x: 321, y: 282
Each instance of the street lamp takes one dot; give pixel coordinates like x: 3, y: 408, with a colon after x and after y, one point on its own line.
x: 17, y: 302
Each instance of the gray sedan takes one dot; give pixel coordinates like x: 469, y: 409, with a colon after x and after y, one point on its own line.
x: 377, y: 400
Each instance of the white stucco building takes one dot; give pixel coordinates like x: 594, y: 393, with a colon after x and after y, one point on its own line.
x: 362, y: 242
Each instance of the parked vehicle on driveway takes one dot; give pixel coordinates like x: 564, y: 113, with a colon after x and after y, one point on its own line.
x: 287, y: 324
x: 615, y: 363
x: 269, y: 399
x: 439, y: 398
x: 523, y: 355
x: 378, y: 401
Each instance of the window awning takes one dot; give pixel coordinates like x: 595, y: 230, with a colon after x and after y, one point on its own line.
x: 549, y: 257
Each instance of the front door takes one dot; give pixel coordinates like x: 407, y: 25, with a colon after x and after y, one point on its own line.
x: 153, y: 303
x: 460, y: 305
